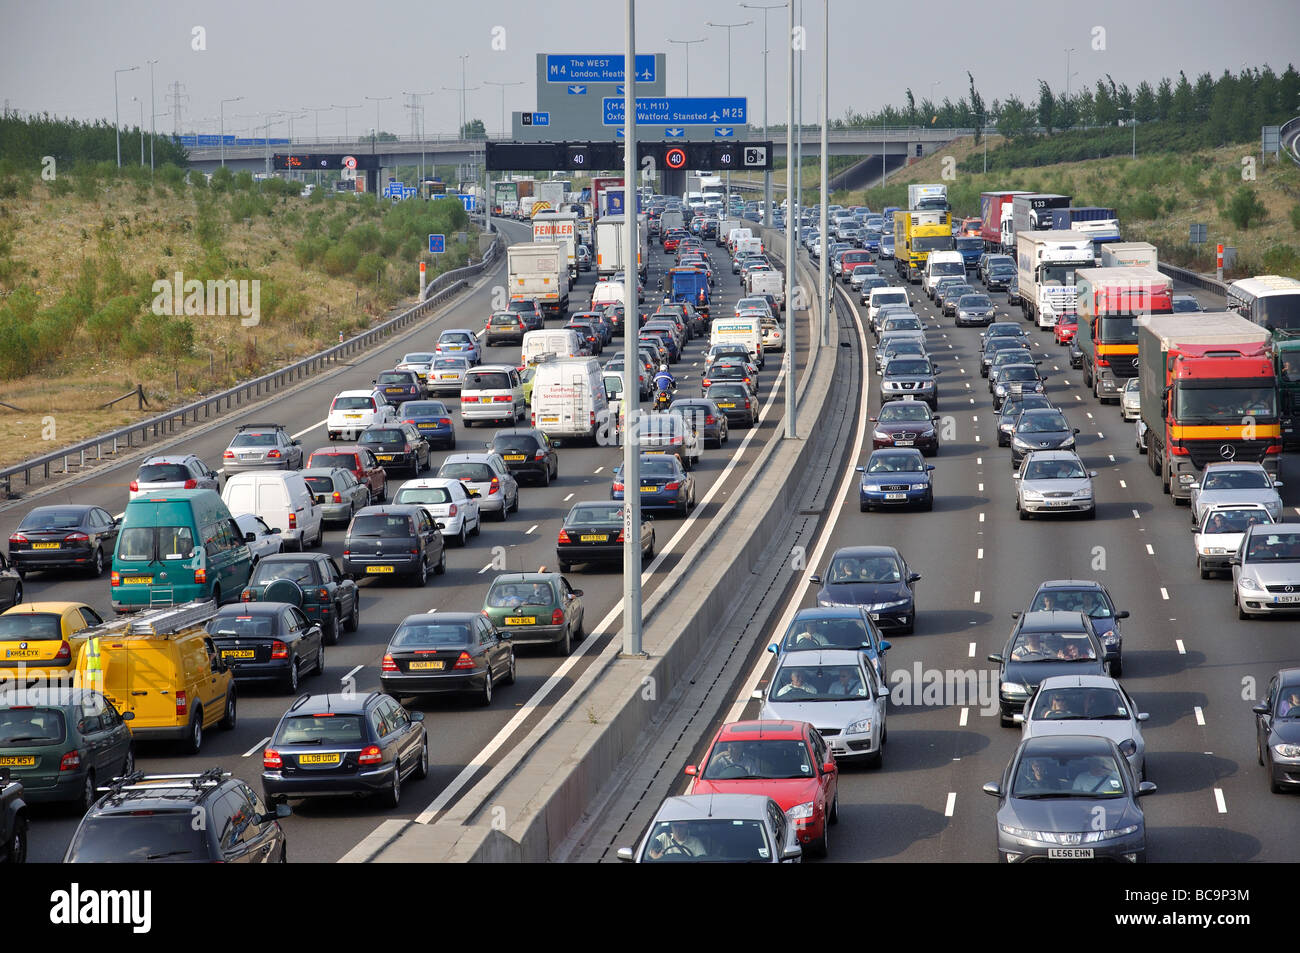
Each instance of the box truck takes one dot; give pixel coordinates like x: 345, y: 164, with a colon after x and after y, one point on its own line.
x: 539, y: 271
x: 1046, y: 263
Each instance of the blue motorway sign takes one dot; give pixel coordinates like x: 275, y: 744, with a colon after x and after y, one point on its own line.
x: 576, y: 90
x: 678, y: 110
x: 535, y: 119
x: 597, y: 68
x: 466, y: 200
x: 437, y: 244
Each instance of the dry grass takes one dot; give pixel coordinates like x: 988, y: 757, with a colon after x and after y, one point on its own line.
x: 152, y: 232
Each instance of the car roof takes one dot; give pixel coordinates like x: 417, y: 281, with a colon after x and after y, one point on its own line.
x: 440, y: 617
x: 469, y: 457
x: 337, y: 448
x: 167, y: 458
x: 255, y: 608
x: 1234, y: 465
x: 1288, y: 676
x: 762, y: 728
x: 527, y: 576
x: 815, y: 658
x: 59, y: 607
x: 351, y: 393
x: 1079, y: 681
x: 860, y: 551
x: 346, y: 703
x: 1069, y: 745
x: 694, y: 807
x: 1055, y: 455
x: 399, y: 509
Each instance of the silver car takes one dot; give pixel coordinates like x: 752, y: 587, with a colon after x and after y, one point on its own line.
x: 1228, y: 482
x: 974, y: 309
x: 717, y: 828
x: 1087, y: 705
x: 897, y: 347
x: 262, y: 447
x: 261, y: 540
x: 448, y: 375
x: 1130, y: 399
x: 176, y: 472
x: 459, y: 342
x: 838, y: 692
x: 1054, y: 481
x: 1266, y: 570
x: 488, y: 475
x: 338, y: 492
x: 421, y: 362
x: 1218, y: 537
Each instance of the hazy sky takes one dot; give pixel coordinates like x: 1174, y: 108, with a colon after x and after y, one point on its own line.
x: 59, y: 55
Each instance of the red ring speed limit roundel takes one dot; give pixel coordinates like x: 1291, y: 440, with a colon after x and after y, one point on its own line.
x: 349, y: 162
x: 676, y: 158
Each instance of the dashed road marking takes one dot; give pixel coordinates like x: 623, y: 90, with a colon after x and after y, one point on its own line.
x: 1182, y: 649
x: 1219, y: 801
x: 977, y: 597
x: 965, y: 716
x: 256, y: 747
x: 1200, y: 716
x: 952, y: 803
x: 1164, y: 593
x: 1150, y: 550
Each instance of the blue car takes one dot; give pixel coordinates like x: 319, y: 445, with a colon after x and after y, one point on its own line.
x: 432, y: 418
x: 664, y: 484
x: 838, y: 627
x: 871, y: 240
x: 896, y: 477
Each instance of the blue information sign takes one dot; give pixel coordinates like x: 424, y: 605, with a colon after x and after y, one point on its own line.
x: 568, y: 68
x: 437, y: 244
x: 678, y: 110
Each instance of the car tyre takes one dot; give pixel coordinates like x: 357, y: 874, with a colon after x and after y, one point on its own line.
x: 393, y: 796
x: 88, y: 795
x: 18, y: 841
x: 354, y: 617
x: 97, y: 564
x: 422, y: 768
x: 330, y: 634
x: 194, y: 739
x: 231, y: 715
x: 291, y: 680
x: 320, y: 659
x: 485, y: 696
x: 441, y: 568
x: 460, y: 538
x: 834, y: 814
x: 422, y: 574
x: 565, y: 567
x: 565, y: 645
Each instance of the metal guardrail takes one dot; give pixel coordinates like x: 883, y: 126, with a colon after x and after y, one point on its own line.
x: 106, y: 446
x: 1289, y: 139
x: 1192, y: 278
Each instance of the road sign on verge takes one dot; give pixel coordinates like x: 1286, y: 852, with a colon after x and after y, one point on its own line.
x: 437, y: 244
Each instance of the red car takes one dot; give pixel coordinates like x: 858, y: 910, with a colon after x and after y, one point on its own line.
x: 673, y: 239
x: 360, y: 461
x: 785, y: 760
x: 1066, y: 329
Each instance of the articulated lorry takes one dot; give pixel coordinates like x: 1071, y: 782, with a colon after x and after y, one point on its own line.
x: 1046, y: 263
x: 922, y: 198
x: 1208, y: 393
x: 562, y: 229
x: 1101, y: 223
x: 916, y: 234
x: 996, y: 224
x: 539, y: 271
x: 1032, y: 212
x: 611, y: 256
x: 1273, y: 303
x: 1111, y: 302
x: 1129, y: 255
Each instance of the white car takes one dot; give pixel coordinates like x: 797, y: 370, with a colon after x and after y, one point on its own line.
x: 488, y: 475
x: 839, y: 693
x: 421, y: 362
x: 1087, y: 705
x: 1054, y: 481
x: 260, y: 539
x: 773, y: 335
x: 1218, y: 537
x: 1130, y: 399
x: 352, y: 411
x: 453, y: 505
x: 1233, y: 482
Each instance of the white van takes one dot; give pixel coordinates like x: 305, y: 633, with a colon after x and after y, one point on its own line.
x: 736, y: 234
x: 942, y: 264
x: 748, y: 246
x: 569, y: 398
x: 281, y: 499
x: 555, y: 342
x: 883, y: 296
x: 607, y: 292
x: 492, y: 392
x: 742, y: 329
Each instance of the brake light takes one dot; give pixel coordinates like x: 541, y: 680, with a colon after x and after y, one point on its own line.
x: 501, y: 399
x: 70, y: 761
x: 464, y: 661
x: 228, y: 455
x: 182, y: 704
x: 672, y: 486
x: 279, y: 650
x: 747, y: 405
x: 495, y: 487
x: 557, y: 617
x: 64, y: 652
x: 246, y: 596
x: 618, y: 485
x: 620, y: 537
x: 371, y: 754
x: 273, y: 455
x: 709, y: 419
x: 1178, y: 451
x: 293, y: 520
x: 200, y: 575
x: 389, y: 665
x: 408, y: 422
x: 134, y: 486
x: 1102, y: 362
x: 114, y: 579
x: 468, y: 400
x: 76, y: 538
x: 271, y: 759
x: 337, y: 497
x: 194, y: 484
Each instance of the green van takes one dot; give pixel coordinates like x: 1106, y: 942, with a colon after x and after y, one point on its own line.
x: 175, y: 547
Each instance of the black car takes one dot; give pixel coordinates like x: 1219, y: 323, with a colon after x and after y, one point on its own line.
x: 1277, y: 731
x: 64, y: 536
x: 593, y: 533
x: 313, y: 583
x: 1184, y: 304
x: 11, y: 584
x: 13, y: 820
x: 876, y: 578
x: 268, y: 641
x: 736, y: 402
x: 588, y: 335
x: 999, y: 277
x: 344, y: 744
x: 397, y: 446
x: 531, y: 310
x: 1010, y: 412
x: 603, y: 327
x: 504, y: 327
x: 907, y: 376
x: 1040, y: 430
x: 399, y: 386
x: 1042, y: 644
x: 450, y: 653
x: 992, y: 345
x: 394, y: 540
x: 709, y: 420
x: 1092, y: 599
x: 179, y: 818
x: 527, y: 452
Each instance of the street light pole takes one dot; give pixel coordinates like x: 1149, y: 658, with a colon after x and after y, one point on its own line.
x: 791, y: 430
x: 137, y: 99
x: 728, y: 27
x: 492, y: 82
x: 798, y: 142
x: 767, y: 175
x: 1067, y: 70
x: 631, y: 369
x: 153, y: 117
x: 345, y: 117
x: 824, y: 195
x: 687, y: 44
x: 223, y: 128
x: 117, y: 120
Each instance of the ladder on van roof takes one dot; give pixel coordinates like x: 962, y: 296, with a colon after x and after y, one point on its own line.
x: 173, y: 620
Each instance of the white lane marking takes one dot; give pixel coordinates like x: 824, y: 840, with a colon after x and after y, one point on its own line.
x: 351, y: 673
x: 485, y: 569
x: 1056, y: 367
x: 1219, y: 801
x: 970, y: 653
x: 965, y: 716
x: 979, y: 461
x: 1089, y: 414
x: 1150, y: 551
x: 1112, y: 457
x: 979, y: 554
x: 1182, y: 649
x: 1164, y: 593
x: 1137, y: 515
x: 295, y: 436
x: 256, y: 747
x: 569, y: 497
x: 598, y: 469
x: 977, y: 597
x: 1077, y: 397
x: 952, y: 803
x: 977, y: 437
x: 1101, y: 435
x: 981, y: 489
x: 981, y: 517
x: 1200, y: 716
x: 975, y: 417
x: 1123, y: 484
x: 530, y: 530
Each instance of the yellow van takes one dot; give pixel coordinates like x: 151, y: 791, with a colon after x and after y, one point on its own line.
x: 162, y: 666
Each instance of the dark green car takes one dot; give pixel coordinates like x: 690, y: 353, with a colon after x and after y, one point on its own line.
x: 64, y: 744
x: 536, y: 608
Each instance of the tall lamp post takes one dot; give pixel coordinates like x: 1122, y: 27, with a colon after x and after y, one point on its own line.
x: 137, y: 99
x: 767, y: 176
x: 728, y: 27
x: 687, y: 44
x: 345, y: 117
x: 492, y: 82
x: 222, y: 136
x: 153, y: 116
x: 1134, y: 123
x: 1067, y: 70
x: 631, y: 387
x: 117, y: 121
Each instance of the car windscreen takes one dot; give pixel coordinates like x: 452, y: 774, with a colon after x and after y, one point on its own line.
x: 386, y: 525
x: 428, y: 495
x: 1061, y: 776
x: 147, y: 835
x: 509, y: 319
x: 301, y: 571
x: 343, y: 461
x: 1078, y: 704
x: 487, y: 380
x: 420, y: 357
x: 245, y: 626
x: 353, y: 403
x: 894, y: 298
x: 653, y: 468
x: 474, y: 472
x: 895, y: 463
x: 450, y: 364
x: 903, y: 324
x: 144, y: 543
x: 1273, y: 547
x: 163, y: 473
x: 1054, y: 470
x: 947, y: 268
x: 25, y: 727
x: 817, y: 683
x: 52, y: 518
x: 826, y: 634
x: 1036, y: 646
x: 1018, y: 372
x: 441, y: 634
x: 1088, y: 601
x: 36, y: 626
x: 508, y: 595
x: 717, y: 840
x: 1233, y: 521
x: 774, y: 759
x: 424, y: 408
x: 595, y: 514
x: 907, y: 366
x: 853, y: 569
x: 973, y: 302
x: 455, y: 337
x: 253, y: 440
x: 727, y: 392
x: 1235, y: 480
x: 322, y: 729
x: 1003, y: 342
x: 1042, y: 423
x: 402, y: 378
x: 897, y: 410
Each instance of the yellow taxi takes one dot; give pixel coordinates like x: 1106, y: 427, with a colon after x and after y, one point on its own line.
x: 44, y: 635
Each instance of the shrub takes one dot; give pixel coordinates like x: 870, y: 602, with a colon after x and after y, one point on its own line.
x: 1245, y: 208
x: 340, y: 260
x: 1282, y: 260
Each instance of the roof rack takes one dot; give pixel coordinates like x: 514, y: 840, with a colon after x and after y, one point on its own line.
x: 260, y: 427
x: 132, y: 782
x: 173, y: 619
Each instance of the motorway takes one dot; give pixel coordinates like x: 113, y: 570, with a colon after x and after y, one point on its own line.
x: 1188, y: 661
x: 461, y: 733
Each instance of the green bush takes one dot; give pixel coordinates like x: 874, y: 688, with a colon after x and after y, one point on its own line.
x: 1246, y: 209
x: 368, y: 266
x: 111, y: 323
x: 1295, y: 217
x: 310, y: 250
x: 1282, y: 260
x: 340, y: 260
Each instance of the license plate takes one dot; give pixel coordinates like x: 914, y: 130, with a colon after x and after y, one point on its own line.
x: 320, y: 758
x: 895, y: 496
x: 136, y: 580
x: 447, y: 377
x: 594, y: 538
x: 1287, y: 599
x: 649, y: 489
x: 394, y: 390
x: 426, y: 666
x: 1070, y: 853
x: 515, y: 456
x: 237, y: 653
x: 550, y: 420
x: 426, y: 426
x: 384, y: 456
x: 21, y: 653
x: 904, y: 443
x: 18, y: 761
x: 522, y: 620
x: 379, y: 569
x: 726, y: 406
x: 250, y: 456
x: 1058, y: 502
x: 45, y: 545
x: 352, y: 416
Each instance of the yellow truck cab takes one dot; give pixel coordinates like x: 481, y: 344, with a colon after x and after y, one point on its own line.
x: 162, y: 666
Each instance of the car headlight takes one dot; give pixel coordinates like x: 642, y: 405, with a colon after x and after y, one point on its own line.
x: 880, y: 435
x: 1287, y: 751
x: 1068, y: 442
x: 1000, y: 389
x: 1084, y: 494
x: 880, y: 606
x: 860, y: 727
x: 1019, y: 444
x: 928, y: 433
x: 1250, y: 584
x: 800, y: 811
x: 1109, y: 638
x: 1033, y: 497
x: 871, y: 487
x: 1014, y: 688
x: 1092, y: 837
x: 1019, y: 832
x: 919, y: 486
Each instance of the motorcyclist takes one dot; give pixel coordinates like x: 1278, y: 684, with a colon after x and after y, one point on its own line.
x: 664, y: 383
